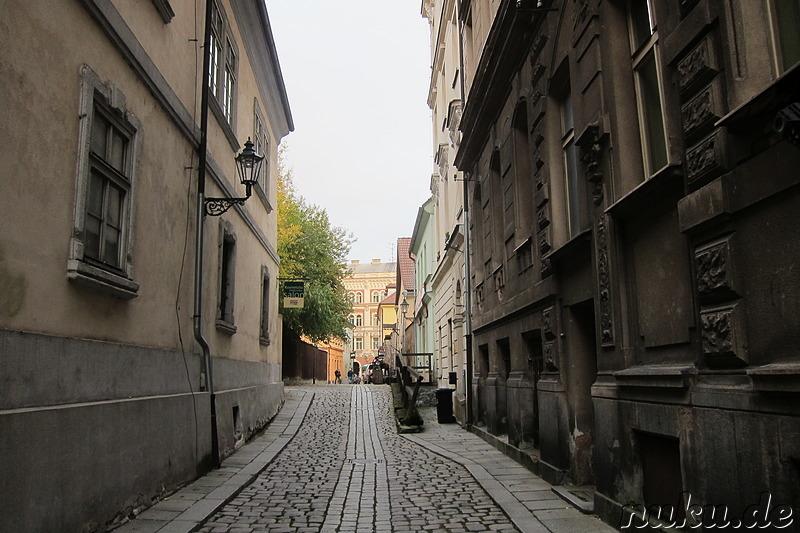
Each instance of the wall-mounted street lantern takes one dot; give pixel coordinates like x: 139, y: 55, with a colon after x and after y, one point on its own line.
x: 248, y: 163
x: 404, y: 308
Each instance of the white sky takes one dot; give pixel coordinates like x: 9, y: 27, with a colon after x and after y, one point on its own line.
x: 357, y: 75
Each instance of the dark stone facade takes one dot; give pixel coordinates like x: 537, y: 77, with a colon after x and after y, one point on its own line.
x: 640, y: 328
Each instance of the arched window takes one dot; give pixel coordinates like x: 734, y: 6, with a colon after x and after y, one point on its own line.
x: 376, y: 296
x: 359, y: 320
x: 359, y: 297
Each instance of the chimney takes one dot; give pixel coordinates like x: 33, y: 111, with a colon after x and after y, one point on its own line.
x: 376, y: 260
x: 354, y: 261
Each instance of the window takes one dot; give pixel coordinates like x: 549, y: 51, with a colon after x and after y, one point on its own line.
x: 647, y: 75
x: 785, y: 15
x: 376, y: 296
x: 223, y: 64
x: 359, y: 320
x: 352, y: 320
x: 572, y: 188
x: 359, y: 297
x: 265, y: 295
x: 227, y: 270
x: 261, y: 146
x: 101, y: 246
x: 375, y: 342
x: 375, y: 320
x: 359, y: 343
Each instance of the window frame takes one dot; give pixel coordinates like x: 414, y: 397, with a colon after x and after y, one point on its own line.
x: 640, y: 53
x: 572, y: 185
x: 106, y: 100
x: 266, y: 292
x: 777, y: 43
x: 226, y: 279
x: 358, y: 343
x: 224, y: 53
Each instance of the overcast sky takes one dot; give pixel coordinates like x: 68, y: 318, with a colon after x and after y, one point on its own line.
x: 357, y: 75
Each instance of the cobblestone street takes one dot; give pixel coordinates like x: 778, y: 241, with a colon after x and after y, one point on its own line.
x: 332, y: 462
x: 347, y: 469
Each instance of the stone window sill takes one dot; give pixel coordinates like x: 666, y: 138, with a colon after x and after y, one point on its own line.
x: 104, y: 281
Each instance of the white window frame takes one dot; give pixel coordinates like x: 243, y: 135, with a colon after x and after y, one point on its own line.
x: 358, y: 343
x: 223, y: 67
x: 359, y: 320
x: 640, y: 52
x: 106, y: 99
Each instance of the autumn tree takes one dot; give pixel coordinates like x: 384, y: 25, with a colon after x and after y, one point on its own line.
x: 313, y: 251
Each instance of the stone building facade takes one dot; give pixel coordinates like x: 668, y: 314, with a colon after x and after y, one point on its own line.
x: 368, y: 284
x: 448, y: 282
x: 632, y: 196
x: 105, y: 399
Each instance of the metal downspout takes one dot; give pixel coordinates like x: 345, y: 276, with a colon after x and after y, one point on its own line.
x: 198, y: 261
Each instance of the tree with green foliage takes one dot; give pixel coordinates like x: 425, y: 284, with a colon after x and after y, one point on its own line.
x: 313, y: 251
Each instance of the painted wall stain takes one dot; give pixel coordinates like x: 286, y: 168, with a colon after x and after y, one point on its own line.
x: 13, y: 288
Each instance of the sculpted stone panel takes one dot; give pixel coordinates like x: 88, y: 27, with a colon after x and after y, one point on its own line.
x: 704, y: 158
x: 702, y: 111
x: 723, y: 334
x: 713, y: 267
x: 698, y: 65
x: 604, y: 284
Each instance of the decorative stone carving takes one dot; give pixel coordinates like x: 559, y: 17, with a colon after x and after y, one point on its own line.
x: 704, y: 158
x: 581, y: 14
x: 604, y: 284
x: 548, y: 317
x: 550, y: 356
x: 454, y: 121
x: 713, y: 265
x: 590, y: 144
x: 542, y: 219
x: 699, y: 64
x: 544, y: 241
x: 722, y: 333
x: 537, y: 72
x: 700, y: 112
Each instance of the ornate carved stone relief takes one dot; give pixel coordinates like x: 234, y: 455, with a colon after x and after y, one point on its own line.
x: 698, y: 65
x: 701, y: 111
x: 723, y: 334
x: 550, y: 356
x: 548, y: 323
x: 590, y: 143
x: 704, y: 158
x: 604, y: 284
x: 713, y: 269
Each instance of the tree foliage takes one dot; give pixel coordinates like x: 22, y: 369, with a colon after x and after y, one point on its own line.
x: 316, y: 252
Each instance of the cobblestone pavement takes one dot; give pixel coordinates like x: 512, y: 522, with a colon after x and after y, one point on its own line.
x: 347, y: 470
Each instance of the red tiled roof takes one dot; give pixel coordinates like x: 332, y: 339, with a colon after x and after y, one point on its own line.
x: 405, y: 265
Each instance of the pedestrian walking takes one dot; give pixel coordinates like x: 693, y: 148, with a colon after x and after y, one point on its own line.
x: 350, y: 376
x: 338, y: 375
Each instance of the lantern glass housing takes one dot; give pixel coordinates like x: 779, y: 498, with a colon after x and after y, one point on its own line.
x: 248, y: 162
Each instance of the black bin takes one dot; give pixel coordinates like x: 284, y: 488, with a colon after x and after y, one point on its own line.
x: 444, y: 406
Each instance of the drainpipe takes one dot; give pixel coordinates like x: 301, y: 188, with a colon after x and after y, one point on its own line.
x: 198, y: 260
x: 467, y: 278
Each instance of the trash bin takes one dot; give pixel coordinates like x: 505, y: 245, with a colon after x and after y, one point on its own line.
x: 444, y: 406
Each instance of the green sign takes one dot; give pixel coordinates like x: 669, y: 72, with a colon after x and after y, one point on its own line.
x: 293, y: 294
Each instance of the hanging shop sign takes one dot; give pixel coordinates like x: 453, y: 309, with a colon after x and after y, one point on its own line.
x: 293, y: 294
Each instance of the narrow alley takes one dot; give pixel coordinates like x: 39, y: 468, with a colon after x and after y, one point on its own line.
x: 332, y: 461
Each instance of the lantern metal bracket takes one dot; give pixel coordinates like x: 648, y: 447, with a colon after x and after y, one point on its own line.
x: 216, y: 206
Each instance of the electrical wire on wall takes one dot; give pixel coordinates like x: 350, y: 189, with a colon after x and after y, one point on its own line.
x: 189, y: 197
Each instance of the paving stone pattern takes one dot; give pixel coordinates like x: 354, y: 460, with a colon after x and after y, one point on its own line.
x: 347, y: 470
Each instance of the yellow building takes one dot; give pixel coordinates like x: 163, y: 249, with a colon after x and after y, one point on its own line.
x: 368, y: 285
